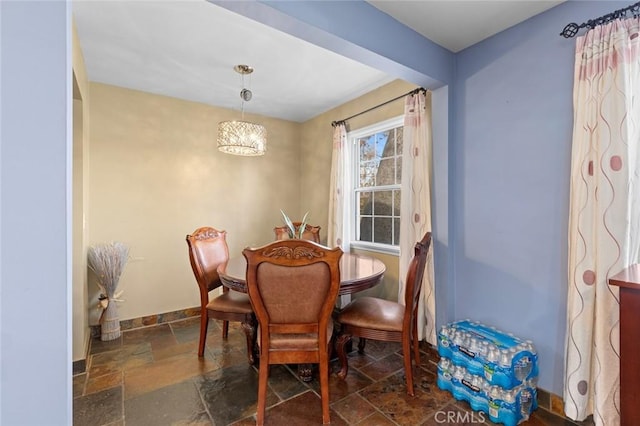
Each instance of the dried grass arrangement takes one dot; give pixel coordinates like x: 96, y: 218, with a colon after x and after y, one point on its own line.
x: 107, y: 261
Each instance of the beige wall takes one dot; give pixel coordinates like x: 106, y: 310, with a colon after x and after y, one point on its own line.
x: 80, y: 202
x: 316, y: 141
x: 156, y: 176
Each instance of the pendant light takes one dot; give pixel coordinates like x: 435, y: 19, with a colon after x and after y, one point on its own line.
x: 239, y: 137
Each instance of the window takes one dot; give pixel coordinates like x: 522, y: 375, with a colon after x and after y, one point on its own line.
x: 377, y: 173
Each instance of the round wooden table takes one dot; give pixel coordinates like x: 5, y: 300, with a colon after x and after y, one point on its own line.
x: 357, y: 272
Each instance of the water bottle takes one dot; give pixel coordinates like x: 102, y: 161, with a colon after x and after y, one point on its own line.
x: 445, y: 364
x: 446, y: 334
x: 458, y: 373
x: 509, y: 396
x: 478, y: 383
x: 528, y: 346
x: 444, y: 373
x: 468, y: 379
x: 458, y: 338
x: 474, y: 345
x: 525, y: 403
x: 495, y: 393
x: 466, y: 340
x: 444, y: 331
x: 484, y: 349
x: 505, y: 358
x: 493, y: 353
x: 522, y: 367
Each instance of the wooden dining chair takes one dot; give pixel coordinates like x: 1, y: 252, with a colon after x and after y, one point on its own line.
x: 311, y: 232
x: 293, y: 286
x: 207, y: 250
x: 379, y: 319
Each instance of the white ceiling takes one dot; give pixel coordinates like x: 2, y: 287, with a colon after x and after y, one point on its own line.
x: 187, y: 49
x: 458, y: 24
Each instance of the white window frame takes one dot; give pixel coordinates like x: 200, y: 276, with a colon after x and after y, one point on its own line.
x: 353, y: 173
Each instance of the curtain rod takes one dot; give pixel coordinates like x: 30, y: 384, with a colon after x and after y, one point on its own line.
x: 412, y: 92
x: 572, y: 29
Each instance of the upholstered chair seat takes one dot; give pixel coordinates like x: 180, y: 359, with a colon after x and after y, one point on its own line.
x: 302, y: 341
x: 231, y: 301
x: 374, y: 313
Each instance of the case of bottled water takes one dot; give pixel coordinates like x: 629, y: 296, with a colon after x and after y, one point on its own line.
x: 502, y: 359
x: 508, y: 406
x: 495, y: 372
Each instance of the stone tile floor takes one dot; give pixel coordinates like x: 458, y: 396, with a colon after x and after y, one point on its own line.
x: 152, y: 376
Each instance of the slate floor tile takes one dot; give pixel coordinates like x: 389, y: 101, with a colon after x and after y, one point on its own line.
x: 99, y: 408
x: 153, y: 376
x: 174, y: 404
x: 231, y: 394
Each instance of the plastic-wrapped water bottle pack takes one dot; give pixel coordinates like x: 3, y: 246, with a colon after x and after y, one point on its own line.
x: 503, y: 359
x: 495, y: 372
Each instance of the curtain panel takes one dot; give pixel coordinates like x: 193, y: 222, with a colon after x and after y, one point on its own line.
x: 415, y: 206
x: 337, y: 200
x: 604, y: 222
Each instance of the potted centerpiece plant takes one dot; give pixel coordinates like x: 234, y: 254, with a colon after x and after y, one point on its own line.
x: 107, y: 261
x: 293, y: 232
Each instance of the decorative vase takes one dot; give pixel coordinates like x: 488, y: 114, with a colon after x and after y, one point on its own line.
x: 110, y: 323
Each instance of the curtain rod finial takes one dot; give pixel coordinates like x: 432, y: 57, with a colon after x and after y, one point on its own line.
x: 570, y: 30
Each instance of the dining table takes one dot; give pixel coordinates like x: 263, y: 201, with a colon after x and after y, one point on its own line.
x: 358, y: 272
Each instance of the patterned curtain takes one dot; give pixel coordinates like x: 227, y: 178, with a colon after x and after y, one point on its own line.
x: 337, y: 202
x: 604, y: 222
x: 415, y: 209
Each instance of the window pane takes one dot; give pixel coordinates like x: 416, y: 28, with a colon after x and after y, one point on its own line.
x: 366, y: 203
x: 399, y: 139
x: 386, y: 172
x: 367, y: 148
x: 396, y: 231
x: 396, y: 203
x: 384, y: 144
x: 383, y: 203
x: 368, y: 173
x: 365, y: 229
x: 382, y: 230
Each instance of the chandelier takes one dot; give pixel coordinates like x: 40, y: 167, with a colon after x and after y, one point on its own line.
x: 239, y: 137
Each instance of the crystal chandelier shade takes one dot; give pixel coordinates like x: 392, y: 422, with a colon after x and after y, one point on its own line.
x: 242, y: 138
x: 239, y: 137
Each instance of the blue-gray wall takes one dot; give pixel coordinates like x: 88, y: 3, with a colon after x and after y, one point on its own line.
x: 513, y: 118
x: 35, y: 194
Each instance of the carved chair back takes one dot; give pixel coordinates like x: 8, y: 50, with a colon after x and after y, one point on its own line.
x: 207, y: 250
x: 293, y: 286
x: 311, y: 232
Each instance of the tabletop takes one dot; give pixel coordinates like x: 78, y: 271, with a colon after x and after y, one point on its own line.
x: 357, y: 272
x: 628, y: 278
